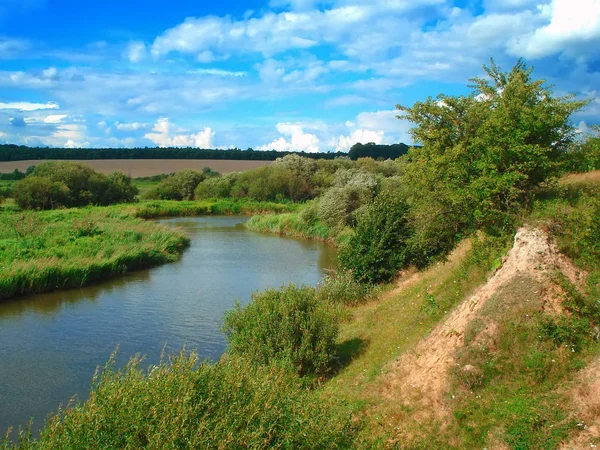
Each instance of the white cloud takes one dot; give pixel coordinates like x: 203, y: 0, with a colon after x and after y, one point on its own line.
x: 74, y: 132
x: 50, y: 73
x: 73, y: 144
x: 164, y: 136
x: 55, y: 118
x: 344, y: 143
x: 297, y: 140
x: 135, y: 51
x: 27, y: 106
x: 572, y: 23
x: 134, y: 126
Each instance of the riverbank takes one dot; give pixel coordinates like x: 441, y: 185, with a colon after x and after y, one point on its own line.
x: 43, y: 251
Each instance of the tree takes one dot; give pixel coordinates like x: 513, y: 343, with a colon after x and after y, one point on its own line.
x: 378, y: 247
x: 484, y: 154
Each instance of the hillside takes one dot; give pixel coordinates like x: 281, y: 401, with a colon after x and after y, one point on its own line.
x: 458, y: 356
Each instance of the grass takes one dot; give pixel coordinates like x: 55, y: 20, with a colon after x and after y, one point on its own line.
x: 508, y: 391
x: 49, y: 250
x: 379, y: 332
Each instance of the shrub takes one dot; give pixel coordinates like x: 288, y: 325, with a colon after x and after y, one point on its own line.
x: 271, y: 183
x: 289, y: 326
x: 180, y: 186
x: 184, y: 404
x: 86, y: 186
x: 377, y: 248
x: 36, y: 192
x: 216, y: 187
x: 300, y: 166
x: 120, y: 189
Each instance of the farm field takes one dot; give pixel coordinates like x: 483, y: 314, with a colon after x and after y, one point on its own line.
x: 148, y: 167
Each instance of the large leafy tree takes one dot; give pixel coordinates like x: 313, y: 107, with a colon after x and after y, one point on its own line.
x: 483, y: 154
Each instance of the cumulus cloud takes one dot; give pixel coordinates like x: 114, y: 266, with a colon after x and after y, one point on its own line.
x: 294, y: 139
x: 571, y: 23
x: 380, y: 127
x: 165, y: 136
x: 27, y: 106
x: 135, y: 51
x: 344, y: 143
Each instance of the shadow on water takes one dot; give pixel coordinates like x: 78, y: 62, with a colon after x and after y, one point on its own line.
x: 50, y: 303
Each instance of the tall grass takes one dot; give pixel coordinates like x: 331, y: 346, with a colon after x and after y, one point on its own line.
x: 49, y: 250
x: 181, y: 403
x: 291, y: 224
x: 167, y: 208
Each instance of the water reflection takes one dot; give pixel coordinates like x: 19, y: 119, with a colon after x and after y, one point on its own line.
x: 50, y: 344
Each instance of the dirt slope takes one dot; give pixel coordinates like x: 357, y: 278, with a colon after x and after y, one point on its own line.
x: 420, y: 377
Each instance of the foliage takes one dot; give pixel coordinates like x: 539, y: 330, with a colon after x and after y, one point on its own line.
x: 216, y: 187
x: 181, y: 403
x: 14, y: 175
x: 484, y: 154
x: 289, y: 326
x: 377, y: 249
x: 67, y: 183
x: 350, y: 190
x: 585, y: 156
x: 179, y: 186
x: 120, y: 189
x: 300, y: 166
x: 41, y: 193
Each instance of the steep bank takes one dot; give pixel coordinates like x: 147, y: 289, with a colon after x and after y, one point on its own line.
x: 494, y: 372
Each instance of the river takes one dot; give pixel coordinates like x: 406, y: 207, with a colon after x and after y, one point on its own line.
x: 51, y: 344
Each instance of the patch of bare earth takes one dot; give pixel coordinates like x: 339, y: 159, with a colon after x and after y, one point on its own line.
x: 420, y: 378
x: 585, y: 396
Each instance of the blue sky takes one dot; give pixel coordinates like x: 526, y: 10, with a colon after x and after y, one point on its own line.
x: 286, y: 74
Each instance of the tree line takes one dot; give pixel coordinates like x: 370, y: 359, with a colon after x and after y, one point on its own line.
x: 12, y: 152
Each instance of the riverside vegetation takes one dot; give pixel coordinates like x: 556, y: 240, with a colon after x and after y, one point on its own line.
x: 319, y: 367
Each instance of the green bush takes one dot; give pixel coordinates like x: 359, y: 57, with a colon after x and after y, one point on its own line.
x: 377, y: 248
x: 180, y: 186
x: 66, y: 183
x: 184, y: 404
x: 120, y: 189
x: 216, y: 187
x: 273, y: 183
x: 289, y: 326
x: 36, y: 192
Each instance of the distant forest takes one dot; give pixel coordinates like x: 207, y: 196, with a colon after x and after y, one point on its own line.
x: 11, y: 152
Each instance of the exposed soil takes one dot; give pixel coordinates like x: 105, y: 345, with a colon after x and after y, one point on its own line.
x: 585, y: 396
x: 419, y: 379
x: 148, y: 167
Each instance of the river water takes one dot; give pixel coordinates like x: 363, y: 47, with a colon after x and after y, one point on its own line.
x: 51, y: 344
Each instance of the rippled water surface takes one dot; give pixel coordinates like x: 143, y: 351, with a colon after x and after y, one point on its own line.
x: 51, y: 344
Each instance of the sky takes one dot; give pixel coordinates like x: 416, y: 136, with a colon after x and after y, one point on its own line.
x: 305, y: 75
